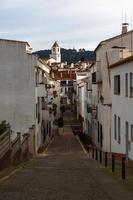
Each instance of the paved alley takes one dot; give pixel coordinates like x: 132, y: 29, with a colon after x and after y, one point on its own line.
x: 63, y: 172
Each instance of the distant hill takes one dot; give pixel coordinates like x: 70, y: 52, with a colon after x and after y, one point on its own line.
x: 70, y: 55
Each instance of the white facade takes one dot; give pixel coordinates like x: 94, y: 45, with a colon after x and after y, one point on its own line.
x: 122, y: 110
x: 17, y: 102
x: 92, y: 105
x: 104, y: 86
x: 82, y: 103
x: 42, y: 121
x: 54, y: 97
x: 21, y: 88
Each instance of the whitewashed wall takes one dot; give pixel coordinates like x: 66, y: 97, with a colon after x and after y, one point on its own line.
x: 17, y: 81
x: 104, y: 112
x: 123, y: 107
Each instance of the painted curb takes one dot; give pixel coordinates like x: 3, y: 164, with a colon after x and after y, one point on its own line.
x: 84, y: 150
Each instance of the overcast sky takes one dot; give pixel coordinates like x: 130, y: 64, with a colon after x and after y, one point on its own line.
x: 73, y: 23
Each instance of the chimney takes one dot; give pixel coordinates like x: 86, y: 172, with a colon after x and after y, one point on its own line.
x: 124, y: 27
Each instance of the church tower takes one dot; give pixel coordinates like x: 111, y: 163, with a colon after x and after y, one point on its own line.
x: 55, y: 52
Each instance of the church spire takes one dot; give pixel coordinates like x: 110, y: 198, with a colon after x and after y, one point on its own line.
x: 55, y: 52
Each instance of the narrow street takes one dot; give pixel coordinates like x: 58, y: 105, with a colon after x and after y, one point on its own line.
x: 63, y: 172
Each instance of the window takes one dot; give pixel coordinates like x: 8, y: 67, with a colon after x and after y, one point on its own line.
x: 65, y: 91
x: 70, y: 83
x: 63, y: 83
x: 126, y: 85
x: 93, y: 77
x: 36, y: 78
x: 43, y: 77
x: 117, y: 84
x: 98, y: 133
x: 47, y: 127
x: 43, y: 103
x: 38, y: 110
x: 131, y: 84
x: 131, y: 133
x: 119, y: 130
x: 127, y: 137
x: 101, y: 135
x: 115, y: 129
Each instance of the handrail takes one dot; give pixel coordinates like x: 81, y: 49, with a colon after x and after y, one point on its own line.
x: 4, y: 134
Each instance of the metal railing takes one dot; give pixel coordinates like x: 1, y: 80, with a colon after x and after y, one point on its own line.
x: 5, y: 143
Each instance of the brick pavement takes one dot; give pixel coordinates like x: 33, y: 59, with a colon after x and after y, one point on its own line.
x: 64, y: 172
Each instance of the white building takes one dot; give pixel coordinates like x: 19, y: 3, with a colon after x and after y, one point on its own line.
x: 82, y: 103
x: 44, y: 120
x: 82, y: 75
x: 55, y: 56
x: 92, y: 106
x: 122, y: 45
x: 122, y: 107
x: 22, y: 90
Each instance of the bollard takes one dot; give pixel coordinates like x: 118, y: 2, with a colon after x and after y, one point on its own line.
x: 96, y: 154
x: 113, y: 163
x: 92, y: 152
x: 106, y: 159
x: 123, y: 168
x: 100, y: 156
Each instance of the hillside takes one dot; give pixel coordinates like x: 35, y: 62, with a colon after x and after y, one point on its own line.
x: 70, y: 55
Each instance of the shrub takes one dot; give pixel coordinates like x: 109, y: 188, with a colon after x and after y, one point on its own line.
x: 4, y: 126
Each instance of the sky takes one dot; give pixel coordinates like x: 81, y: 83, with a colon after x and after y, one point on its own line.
x: 73, y: 23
